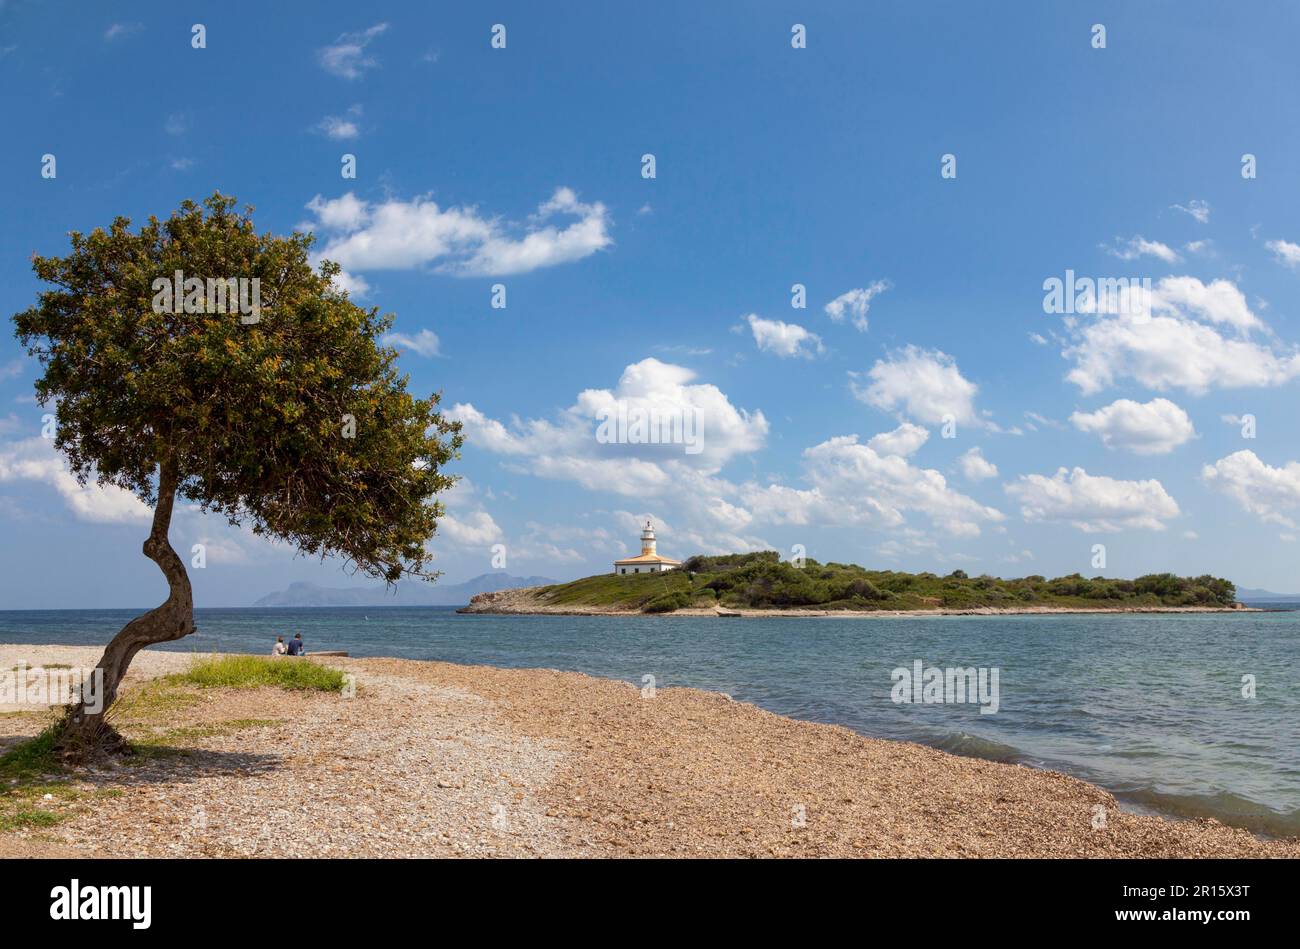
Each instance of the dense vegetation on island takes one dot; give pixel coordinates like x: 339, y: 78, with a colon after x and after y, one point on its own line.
x: 763, y: 581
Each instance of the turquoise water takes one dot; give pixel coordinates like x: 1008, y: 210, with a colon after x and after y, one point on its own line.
x: 1147, y: 706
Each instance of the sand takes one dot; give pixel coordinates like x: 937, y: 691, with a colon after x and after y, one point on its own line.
x: 436, y: 759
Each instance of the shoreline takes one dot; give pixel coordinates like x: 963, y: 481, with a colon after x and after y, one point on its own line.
x: 429, y: 756
x: 523, y: 601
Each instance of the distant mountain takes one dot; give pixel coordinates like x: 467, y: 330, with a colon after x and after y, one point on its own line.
x: 404, y: 593
x: 1247, y: 595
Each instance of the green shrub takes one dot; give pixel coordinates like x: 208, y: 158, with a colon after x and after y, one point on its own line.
x: 668, y: 602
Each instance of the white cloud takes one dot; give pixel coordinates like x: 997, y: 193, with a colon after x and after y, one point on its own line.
x: 11, y: 370
x: 338, y: 128
x: 904, y: 440
x: 35, y: 459
x: 854, y: 484
x: 347, y: 56
x: 403, y: 235
x: 855, y: 304
x: 1093, y: 503
x: 1216, y: 302
x: 975, y: 466
x: 1144, y: 428
x: 472, y: 529
x: 1259, y: 488
x: 784, y: 339
x: 926, y: 385
x: 341, y: 127
x: 424, y: 342
x: 121, y: 30
x: 1139, y: 246
x: 1286, y: 252
x: 1169, y: 339
x: 1196, y: 208
x: 568, y: 449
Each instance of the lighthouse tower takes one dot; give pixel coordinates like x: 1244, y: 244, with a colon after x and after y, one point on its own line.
x: 649, y: 560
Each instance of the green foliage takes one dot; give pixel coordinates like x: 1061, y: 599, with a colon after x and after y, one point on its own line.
x: 763, y: 581
x: 32, y: 758
x: 667, y: 602
x: 248, y: 672
x: 252, y: 415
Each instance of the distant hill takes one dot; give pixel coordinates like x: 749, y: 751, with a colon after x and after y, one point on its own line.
x: 1247, y: 595
x: 404, y: 593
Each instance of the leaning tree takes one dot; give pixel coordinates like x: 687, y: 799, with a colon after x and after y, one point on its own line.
x: 273, y: 403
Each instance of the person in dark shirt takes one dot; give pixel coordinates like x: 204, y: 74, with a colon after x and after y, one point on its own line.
x: 296, y: 647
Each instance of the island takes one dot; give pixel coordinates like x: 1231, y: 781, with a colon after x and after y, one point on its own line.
x: 761, y: 583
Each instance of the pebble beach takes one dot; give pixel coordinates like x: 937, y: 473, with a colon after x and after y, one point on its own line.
x: 445, y: 760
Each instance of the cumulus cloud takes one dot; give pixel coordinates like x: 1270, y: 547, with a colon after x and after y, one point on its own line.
x: 1139, y: 246
x: 347, y: 57
x: 404, y: 235
x: 1093, y: 503
x: 784, y: 339
x: 855, y: 303
x: 425, y: 342
x: 857, y: 484
x: 925, y: 385
x: 975, y: 467
x: 904, y: 440
x: 1260, y: 488
x: 35, y: 459
x: 1173, y: 338
x: 1144, y: 428
x: 471, y: 529
x: 570, y: 447
x: 1286, y: 252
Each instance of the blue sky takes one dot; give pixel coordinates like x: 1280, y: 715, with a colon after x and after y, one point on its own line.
x: 774, y: 166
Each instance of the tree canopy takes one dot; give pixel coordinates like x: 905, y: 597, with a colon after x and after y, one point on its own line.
x: 298, y: 424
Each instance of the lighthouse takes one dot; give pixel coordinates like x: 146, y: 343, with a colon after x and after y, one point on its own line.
x: 649, y: 560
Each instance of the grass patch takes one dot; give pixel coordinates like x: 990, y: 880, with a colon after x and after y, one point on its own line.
x: 250, y: 672
x: 34, y: 758
x: 28, y: 772
x: 24, y: 818
x: 150, y: 700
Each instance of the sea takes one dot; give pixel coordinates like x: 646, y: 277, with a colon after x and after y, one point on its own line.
x: 1186, y: 715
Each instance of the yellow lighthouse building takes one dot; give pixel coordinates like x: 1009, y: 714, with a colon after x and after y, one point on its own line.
x: 649, y: 561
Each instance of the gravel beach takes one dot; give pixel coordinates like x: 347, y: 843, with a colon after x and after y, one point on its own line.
x: 436, y: 759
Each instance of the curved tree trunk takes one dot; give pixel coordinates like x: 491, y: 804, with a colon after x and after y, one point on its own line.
x: 172, y: 620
